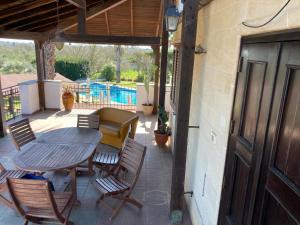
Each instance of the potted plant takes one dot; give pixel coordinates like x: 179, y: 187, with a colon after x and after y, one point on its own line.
x: 147, y: 107
x: 68, y: 99
x: 163, y: 132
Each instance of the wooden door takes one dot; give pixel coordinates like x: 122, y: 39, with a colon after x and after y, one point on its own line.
x: 262, y: 174
x: 258, y: 64
x: 278, y: 201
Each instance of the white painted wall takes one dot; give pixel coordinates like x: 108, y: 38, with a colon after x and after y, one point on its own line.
x: 53, y: 93
x: 141, y: 96
x: 29, y: 96
x: 219, y: 32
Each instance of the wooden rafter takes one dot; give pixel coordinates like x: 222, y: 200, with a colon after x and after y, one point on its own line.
x: 36, y: 20
x: 159, y: 18
x: 131, y: 17
x: 82, y: 19
x: 92, y: 12
x: 100, y: 39
x: 25, y: 7
x: 22, y: 35
x: 107, y: 23
x: 77, y: 3
x: 42, y: 10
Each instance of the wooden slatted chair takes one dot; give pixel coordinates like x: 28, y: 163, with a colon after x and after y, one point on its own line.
x: 132, y: 160
x: 88, y: 121
x: 108, y: 161
x: 35, y: 201
x: 4, y: 174
x: 21, y: 133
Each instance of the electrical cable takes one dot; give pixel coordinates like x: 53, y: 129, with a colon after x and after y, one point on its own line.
x: 270, y: 20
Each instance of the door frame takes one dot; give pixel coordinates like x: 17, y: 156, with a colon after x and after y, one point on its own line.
x: 268, y: 37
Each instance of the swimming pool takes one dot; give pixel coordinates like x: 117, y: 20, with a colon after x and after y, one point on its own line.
x: 119, y: 95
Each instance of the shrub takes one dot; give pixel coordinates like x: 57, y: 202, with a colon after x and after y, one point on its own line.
x: 108, y: 72
x: 129, y: 75
x: 72, y: 68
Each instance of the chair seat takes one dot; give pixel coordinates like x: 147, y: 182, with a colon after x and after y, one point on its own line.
x: 11, y: 174
x: 62, y: 200
x: 106, y: 158
x: 110, y: 128
x: 110, y: 185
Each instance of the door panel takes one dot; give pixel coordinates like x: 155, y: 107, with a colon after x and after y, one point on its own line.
x: 250, y: 114
x: 283, y: 167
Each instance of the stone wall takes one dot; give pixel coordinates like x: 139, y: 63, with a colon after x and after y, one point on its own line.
x: 220, y: 31
x: 49, y: 54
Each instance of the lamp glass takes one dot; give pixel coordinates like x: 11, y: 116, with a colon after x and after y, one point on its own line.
x: 172, y: 18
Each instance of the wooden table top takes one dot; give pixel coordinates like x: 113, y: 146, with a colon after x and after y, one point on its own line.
x: 58, y: 149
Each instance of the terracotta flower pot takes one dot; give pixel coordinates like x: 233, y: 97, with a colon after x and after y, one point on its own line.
x: 161, y: 139
x: 147, y: 109
x: 68, y: 100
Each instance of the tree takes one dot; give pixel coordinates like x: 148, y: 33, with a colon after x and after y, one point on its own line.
x: 108, y: 72
x: 119, y: 53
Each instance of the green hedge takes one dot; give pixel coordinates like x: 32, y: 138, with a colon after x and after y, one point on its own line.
x: 73, y: 68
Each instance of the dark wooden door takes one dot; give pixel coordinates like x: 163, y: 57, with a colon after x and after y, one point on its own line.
x: 278, y: 201
x: 262, y: 174
x: 258, y: 64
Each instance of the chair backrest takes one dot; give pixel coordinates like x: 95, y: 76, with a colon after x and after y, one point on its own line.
x: 2, y: 169
x: 132, y: 158
x: 34, y: 196
x: 88, y: 121
x: 21, y: 133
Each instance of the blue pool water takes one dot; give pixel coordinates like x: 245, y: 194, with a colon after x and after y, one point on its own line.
x: 119, y: 95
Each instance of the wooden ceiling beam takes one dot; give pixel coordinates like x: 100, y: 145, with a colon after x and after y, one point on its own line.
x: 77, y: 3
x: 81, y: 19
x: 107, y: 23
x: 43, y: 10
x: 92, y: 12
x: 23, y: 35
x: 100, y: 39
x: 31, y: 22
x: 159, y: 22
x: 131, y: 17
x: 25, y: 7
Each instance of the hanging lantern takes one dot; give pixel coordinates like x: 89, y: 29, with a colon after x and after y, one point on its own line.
x: 59, y: 45
x: 172, y: 18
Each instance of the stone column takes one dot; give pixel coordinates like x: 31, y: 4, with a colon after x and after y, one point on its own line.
x: 49, y: 57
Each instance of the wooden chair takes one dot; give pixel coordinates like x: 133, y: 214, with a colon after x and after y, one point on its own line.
x: 21, y: 133
x: 4, y: 174
x: 35, y: 201
x: 88, y: 121
x: 132, y: 160
x: 108, y: 161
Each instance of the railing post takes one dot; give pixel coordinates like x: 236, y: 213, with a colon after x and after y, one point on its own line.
x: 11, y: 102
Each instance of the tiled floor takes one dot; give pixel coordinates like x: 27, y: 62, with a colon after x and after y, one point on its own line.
x: 153, y: 187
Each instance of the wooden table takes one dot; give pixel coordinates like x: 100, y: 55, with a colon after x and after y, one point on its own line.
x: 63, y: 148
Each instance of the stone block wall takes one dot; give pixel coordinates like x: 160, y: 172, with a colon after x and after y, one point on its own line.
x: 219, y: 31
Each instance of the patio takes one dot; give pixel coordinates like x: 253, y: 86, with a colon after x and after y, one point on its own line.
x: 153, y: 187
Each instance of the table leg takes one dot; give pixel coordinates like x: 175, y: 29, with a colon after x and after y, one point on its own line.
x: 74, y: 186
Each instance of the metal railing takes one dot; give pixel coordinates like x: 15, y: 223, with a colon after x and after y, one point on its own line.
x: 12, y: 103
x: 95, y: 95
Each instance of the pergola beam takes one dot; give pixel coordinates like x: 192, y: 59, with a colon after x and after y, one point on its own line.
x: 159, y: 22
x: 163, y: 61
x: 82, y: 19
x: 23, y: 35
x: 92, y: 12
x: 100, y: 39
x: 25, y: 7
x: 77, y: 3
x: 183, y: 96
x: 107, y: 23
x: 131, y: 17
